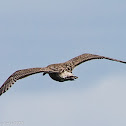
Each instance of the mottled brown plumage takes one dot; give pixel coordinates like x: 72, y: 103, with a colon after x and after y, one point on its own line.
x: 60, y: 72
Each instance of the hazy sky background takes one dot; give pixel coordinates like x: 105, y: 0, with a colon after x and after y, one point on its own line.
x: 36, y: 33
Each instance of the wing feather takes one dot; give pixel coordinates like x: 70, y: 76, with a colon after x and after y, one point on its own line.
x: 19, y: 75
x: 86, y: 57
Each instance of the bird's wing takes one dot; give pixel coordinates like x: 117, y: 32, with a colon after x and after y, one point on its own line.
x: 21, y: 74
x: 86, y: 57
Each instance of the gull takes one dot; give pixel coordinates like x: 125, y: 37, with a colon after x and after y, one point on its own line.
x: 59, y: 72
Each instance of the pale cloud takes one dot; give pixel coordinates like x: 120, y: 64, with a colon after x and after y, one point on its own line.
x: 104, y: 105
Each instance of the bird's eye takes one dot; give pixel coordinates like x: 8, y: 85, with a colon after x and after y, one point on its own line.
x: 68, y: 68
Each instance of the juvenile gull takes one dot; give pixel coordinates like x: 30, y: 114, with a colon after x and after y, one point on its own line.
x: 60, y: 72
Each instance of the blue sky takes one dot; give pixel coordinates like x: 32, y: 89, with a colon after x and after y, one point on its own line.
x: 36, y: 33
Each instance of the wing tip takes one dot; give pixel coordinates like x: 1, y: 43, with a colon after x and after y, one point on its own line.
x: 2, y: 91
x: 4, y: 88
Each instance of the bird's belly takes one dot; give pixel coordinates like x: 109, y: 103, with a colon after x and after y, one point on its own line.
x: 61, y: 77
x: 56, y: 77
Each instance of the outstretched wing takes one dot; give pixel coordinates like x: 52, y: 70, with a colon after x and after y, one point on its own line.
x: 86, y: 57
x: 19, y: 75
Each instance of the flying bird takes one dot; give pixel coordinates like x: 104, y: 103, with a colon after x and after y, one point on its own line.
x: 59, y: 72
